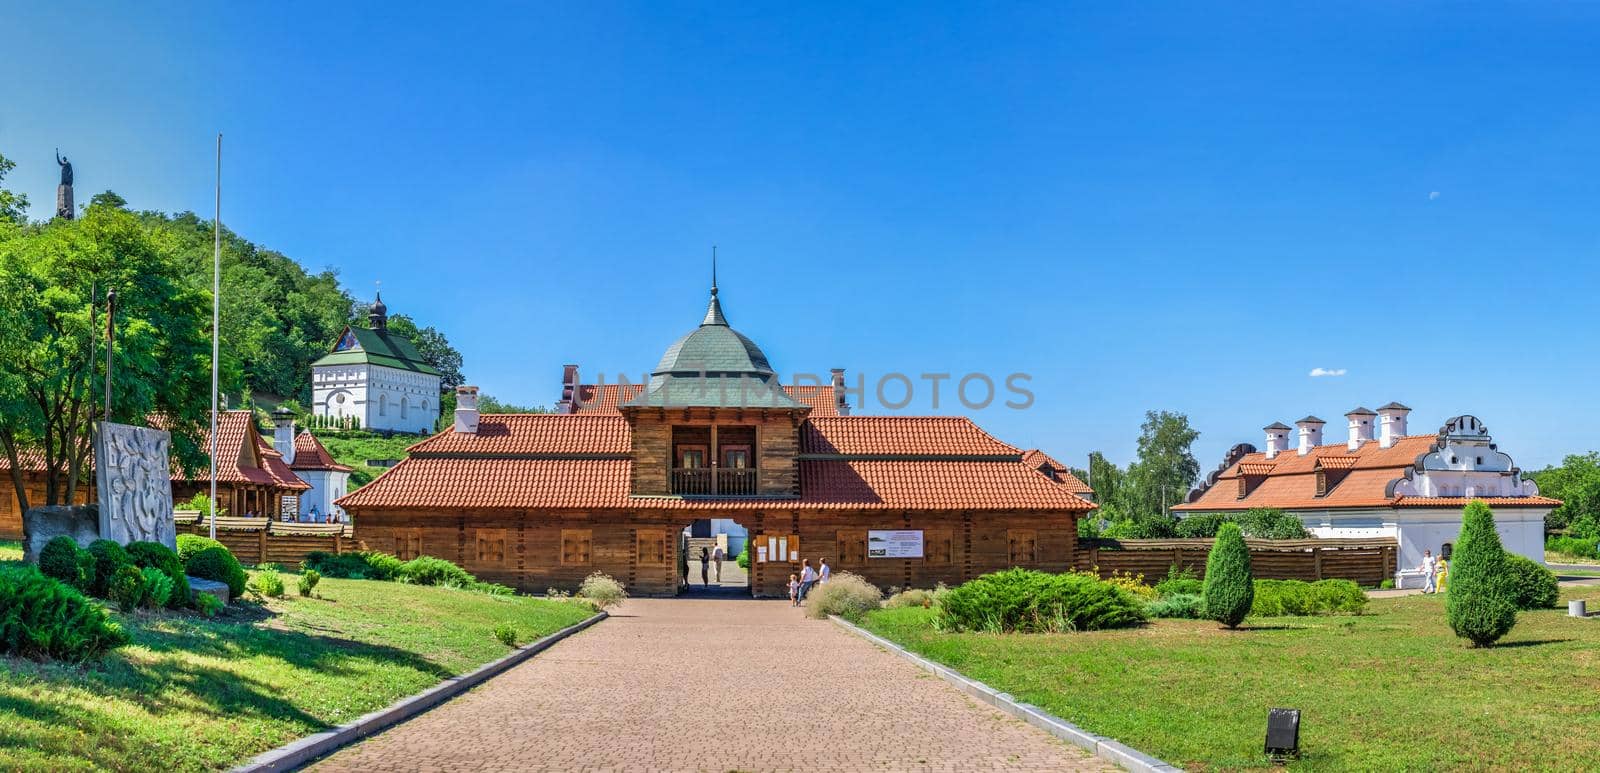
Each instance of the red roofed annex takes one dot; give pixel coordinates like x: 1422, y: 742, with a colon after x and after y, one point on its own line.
x: 612, y: 480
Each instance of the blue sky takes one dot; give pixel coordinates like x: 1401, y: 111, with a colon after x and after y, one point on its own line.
x: 1168, y: 207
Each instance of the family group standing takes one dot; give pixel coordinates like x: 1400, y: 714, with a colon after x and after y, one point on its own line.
x: 809, y: 578
x: 1435, y: 572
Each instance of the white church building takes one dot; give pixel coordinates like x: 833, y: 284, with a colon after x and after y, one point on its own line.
x: 377, y: 378
x: 1382, y: 482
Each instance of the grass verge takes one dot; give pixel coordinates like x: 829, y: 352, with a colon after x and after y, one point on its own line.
x: 1393, y: 689
x: 196, y: 694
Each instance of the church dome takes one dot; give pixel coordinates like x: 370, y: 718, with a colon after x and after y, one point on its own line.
x: 715, y: 365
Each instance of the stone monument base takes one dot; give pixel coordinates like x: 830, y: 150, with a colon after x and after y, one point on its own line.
x: 64, y: 202
x: 42, y: 524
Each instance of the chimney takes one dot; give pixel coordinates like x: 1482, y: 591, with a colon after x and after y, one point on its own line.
x: 1310, y: 433
x: 1360, y: 426
x: 839, y: 401
x: 569, y: 390
x: 1391, y: 424
x: 283, y: 433
x: 467, y: 410
x: 1277, y: 438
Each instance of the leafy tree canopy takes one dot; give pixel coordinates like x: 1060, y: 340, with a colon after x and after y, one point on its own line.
x: 1577, y: 484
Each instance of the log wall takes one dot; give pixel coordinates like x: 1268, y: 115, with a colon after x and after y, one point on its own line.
x: 260, y: 541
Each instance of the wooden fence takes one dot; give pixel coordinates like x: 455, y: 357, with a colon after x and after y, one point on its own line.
x: 262, y: 540
x: 1366, y: 561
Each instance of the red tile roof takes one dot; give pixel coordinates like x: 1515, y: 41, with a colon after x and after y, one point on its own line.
x: 604, y: 398
x: 1290, y: 481
x: 945, y: 436
x: 310, y: 455
x: 1057, y: 471
x: 580, y: 461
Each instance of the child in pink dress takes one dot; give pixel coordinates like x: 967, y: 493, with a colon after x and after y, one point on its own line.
x: 794, y: 591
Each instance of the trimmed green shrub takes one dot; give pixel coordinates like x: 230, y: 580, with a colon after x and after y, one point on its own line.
x: 157, y: 588
x: 41, y: 617
x: 308, y: 581
x: 1027, y: 601
x: 1291, y: 598
x: 63, y: 560
x: 1478, y: 602
x: 267, y: 583
x: 744, y: 556
x: 506, y: 634
x: 156, y: 555
x: 1185, y: 606
x: 1531, y: 585
x: 216, y: 563
x: 208, y: 604
x: 1271, y: 523
x: 365, y: 565
x: 1180, y: 586
x: 1138, y: 528
x: 1229, y: 590
x: 108, y: 558
x: 916, y: 597
x: 1201, y: 526
x: 427, y: 570
x: 190, y: 544
x: 126, y: 588
x: 603, y: 590
x: 846, y: 595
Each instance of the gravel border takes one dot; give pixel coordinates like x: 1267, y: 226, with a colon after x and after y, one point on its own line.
x: 297, y: 754
x: 1107, y: 749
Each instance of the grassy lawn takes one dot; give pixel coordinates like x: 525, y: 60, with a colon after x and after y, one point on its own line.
x: 1389, y: 690
x: 1563, y: 558
x: 193, y: 694
x: 10, y: 550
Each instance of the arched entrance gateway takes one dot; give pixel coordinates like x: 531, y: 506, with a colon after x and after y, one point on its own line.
x: 629, y: 479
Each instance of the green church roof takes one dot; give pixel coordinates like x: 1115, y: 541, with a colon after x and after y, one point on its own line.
x: 715, y: 366
x: 359, y: 345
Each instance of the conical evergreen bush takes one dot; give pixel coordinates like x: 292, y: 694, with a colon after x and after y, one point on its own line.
x: 1479, y: 602
x: 1230, y: 587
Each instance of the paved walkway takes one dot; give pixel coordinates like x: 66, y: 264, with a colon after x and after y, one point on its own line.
x: 766, y: 691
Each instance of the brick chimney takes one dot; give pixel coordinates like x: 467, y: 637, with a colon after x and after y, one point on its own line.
x: 839, y: 401
x: 569, y: 390
x: 1310, y: 433
x: 1391, y: 424
x: 1277, y: 438
x: 467, y: 410
x: 1360, y: 426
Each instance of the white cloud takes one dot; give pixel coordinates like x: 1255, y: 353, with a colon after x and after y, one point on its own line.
x: 1433, y: 195
x: 1320, y: 372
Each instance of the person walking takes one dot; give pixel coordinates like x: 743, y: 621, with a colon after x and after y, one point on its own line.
x: 1430, y: 572
x: 1444, y: 575
x: 808, y: 578
x: 825, y: 573
x: 705, y: 558
x: 794, y: 591
x: 717, y: 556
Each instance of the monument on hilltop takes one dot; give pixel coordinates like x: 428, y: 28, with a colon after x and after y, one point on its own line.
x: 64, y: 206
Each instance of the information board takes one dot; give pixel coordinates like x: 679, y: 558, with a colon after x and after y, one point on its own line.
x: 894, y: 544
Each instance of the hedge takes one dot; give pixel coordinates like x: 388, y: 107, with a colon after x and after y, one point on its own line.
x: 41, y: 617
x: 1531, y: 586
x: 1027, y: 601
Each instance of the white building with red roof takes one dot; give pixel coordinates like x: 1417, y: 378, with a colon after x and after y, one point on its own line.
x: 1381, y: 482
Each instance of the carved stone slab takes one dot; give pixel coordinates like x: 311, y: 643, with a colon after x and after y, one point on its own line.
x: 135, y: 484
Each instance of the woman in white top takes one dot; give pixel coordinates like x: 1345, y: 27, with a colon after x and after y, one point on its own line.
x: 825, y: 573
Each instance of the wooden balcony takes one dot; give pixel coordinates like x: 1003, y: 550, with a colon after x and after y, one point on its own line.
x: 708, y: 481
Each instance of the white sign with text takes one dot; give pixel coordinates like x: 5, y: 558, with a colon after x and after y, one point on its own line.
x: 894, y: 544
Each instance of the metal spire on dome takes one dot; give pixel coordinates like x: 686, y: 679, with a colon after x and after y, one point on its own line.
x: 714, y: 310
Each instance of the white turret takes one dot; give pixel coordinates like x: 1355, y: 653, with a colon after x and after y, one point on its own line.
x: 283, y: 433
x: 1310, y: 433
x: 1360, y: 426
x: 1277, y: 438
x: 1391, y: 424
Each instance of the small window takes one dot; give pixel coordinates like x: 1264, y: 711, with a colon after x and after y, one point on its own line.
x: 936, y: 546
x: 1024, y: 546
x: 1480, y: 461
x: 383, y: 405
x: 852, y: 547
x: 408, y: 544
x: 652, y: 547
x: 492, y: 547
x: 575, y: 546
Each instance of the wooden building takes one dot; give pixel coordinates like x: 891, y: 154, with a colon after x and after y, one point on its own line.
x: 540, y: 501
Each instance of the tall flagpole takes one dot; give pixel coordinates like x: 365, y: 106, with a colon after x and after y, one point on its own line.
x: 216, y: 329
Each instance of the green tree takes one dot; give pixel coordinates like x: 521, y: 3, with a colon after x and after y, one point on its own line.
x: 13, y: 206
x: 1479, y: 604
x: 1165, y: 470
x: 488, y: 404
x: 434, y: 348
x: 108, y: 198
x: 52, y: 278
x: 1230, y: 586
x: 1577, y: 484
